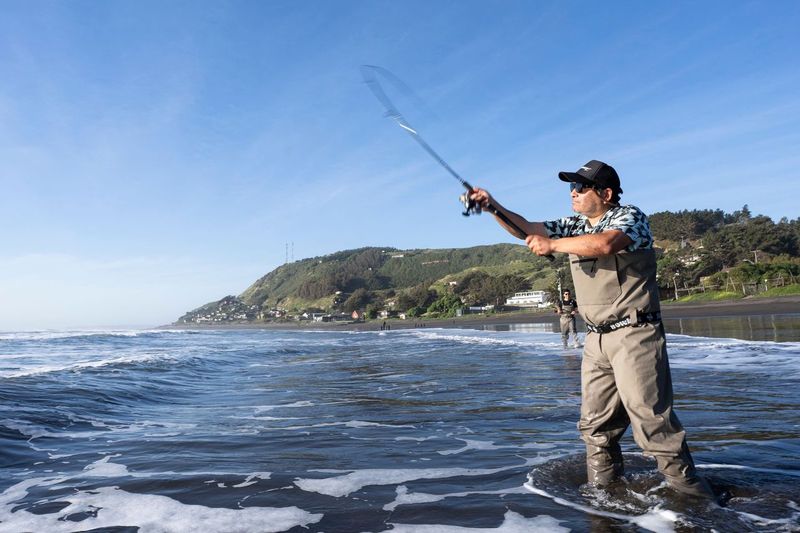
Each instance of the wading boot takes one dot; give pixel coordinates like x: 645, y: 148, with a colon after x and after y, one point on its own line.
x: 682, y: 476
x: 696, y: 486
x: 603, y: 465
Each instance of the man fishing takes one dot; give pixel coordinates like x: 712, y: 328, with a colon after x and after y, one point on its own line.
x: 567, y: 308
x: 625, y: 374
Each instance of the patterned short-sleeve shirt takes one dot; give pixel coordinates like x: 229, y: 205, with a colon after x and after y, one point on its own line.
x: 628, y: 219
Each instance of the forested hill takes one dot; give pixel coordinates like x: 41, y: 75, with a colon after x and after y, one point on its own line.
x: 691, y: 245
x: 702, y: 243
x: 367, y: 277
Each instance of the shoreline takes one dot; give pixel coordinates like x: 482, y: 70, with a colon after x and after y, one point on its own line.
x: 782, y: 305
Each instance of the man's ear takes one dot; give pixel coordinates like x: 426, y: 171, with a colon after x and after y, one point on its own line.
x: 608, y: 194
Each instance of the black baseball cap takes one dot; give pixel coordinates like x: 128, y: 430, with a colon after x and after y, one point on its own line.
x: 596, y: 174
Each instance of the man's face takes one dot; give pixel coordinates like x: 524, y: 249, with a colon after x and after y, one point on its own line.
x: 589, y: 202
x: 566, y: 295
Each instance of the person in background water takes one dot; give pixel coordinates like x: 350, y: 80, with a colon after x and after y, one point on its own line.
x: 567, y: 308
x: 625, y: 374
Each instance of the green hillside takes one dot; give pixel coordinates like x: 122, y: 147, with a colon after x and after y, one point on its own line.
x: 699, y: 250
x: 373, y: 275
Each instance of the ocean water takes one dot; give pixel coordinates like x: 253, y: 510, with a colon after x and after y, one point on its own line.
x: 422, y: 430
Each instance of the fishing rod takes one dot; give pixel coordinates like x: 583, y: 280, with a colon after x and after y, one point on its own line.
x: 471, y: 207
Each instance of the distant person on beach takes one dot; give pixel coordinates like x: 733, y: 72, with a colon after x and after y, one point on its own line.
x: 625, y: 374
x: 567, y: 308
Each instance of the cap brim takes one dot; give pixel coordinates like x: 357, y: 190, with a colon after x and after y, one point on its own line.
x: 574, y: 177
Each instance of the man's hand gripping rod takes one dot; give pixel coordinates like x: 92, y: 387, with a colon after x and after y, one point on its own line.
x: 471, y: 207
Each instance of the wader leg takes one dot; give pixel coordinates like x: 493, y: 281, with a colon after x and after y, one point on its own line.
x: 564, y: 323
x: 603, y: 417
x: 639, y: 358
x: 682, y: 476
x: 573, y: 324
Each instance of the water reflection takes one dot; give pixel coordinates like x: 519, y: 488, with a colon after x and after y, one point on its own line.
x: 777, y: 328
x: 544, y: 327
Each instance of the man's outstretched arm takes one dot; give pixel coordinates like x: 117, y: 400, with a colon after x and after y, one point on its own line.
x: 484, y: 199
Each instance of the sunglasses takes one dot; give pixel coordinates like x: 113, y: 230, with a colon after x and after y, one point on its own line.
x: 579, y: 187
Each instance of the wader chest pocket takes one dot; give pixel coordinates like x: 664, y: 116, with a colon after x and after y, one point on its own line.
x: 596, y: 279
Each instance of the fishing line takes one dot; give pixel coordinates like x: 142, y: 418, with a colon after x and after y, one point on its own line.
x: 371, y: 74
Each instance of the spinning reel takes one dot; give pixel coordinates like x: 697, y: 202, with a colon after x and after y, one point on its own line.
x: 471, y: 207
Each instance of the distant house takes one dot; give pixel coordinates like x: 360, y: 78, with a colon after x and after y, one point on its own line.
x: 478, y: 309
x: 528, y: 299
x: 358, y: 317
x: 276, y: 312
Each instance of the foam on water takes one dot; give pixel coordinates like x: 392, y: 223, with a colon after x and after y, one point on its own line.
x: 657, y: 520
x: 105, y: 468
x: 481, y: 445
x: 42, y: 353
x: 339, y: 486
x: 404, y: 497
x: 252, y: 479
x: 732, y: 355
x: 82, y: 365
x: 33, y: 431
x: 355, y: 424
x: 264, y: 408
x: 477, y: 338
x: 512, y: 523
x: 779, y: 471
x: 108, y: 507
x: 48, y: 335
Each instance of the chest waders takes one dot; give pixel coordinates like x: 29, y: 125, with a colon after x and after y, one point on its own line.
x: 625, y: 375
x: 567, y: 321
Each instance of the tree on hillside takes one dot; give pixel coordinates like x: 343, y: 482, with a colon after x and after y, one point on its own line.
x: 685, y: 224
x: 734, y: 243
x: 481, y: 288
x: 741, y: 216
x: 358, y: 300
x: 419, y: 296
x: 446, y: 306
x: 472, y: 286
x: 318, y: 287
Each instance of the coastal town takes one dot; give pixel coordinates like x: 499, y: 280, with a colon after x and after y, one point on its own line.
x: 231, y: 310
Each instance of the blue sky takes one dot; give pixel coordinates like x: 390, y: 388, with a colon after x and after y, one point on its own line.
x: 160, y: 155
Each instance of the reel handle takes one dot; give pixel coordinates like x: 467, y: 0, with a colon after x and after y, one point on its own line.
x: 471, y: 207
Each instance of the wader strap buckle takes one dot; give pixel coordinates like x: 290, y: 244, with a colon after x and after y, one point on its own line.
x: 641, y: 318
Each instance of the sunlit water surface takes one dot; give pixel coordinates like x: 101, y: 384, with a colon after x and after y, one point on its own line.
x: 406, y: 430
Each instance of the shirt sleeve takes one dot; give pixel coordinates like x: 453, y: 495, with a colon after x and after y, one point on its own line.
x: 632, y: 222
x: 563, y: 227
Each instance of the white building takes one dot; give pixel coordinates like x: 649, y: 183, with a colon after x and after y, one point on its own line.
x: 528, y: 299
